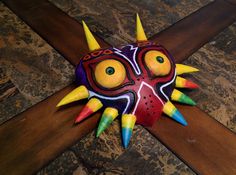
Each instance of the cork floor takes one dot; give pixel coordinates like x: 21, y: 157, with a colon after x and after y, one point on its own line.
x: 31, y: 70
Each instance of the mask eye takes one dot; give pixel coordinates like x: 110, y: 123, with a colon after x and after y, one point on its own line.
x: 110, y: 73
x: 157, y: 63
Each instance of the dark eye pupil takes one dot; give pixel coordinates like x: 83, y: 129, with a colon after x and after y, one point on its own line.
x: 110, y: 70
x: 160, y: 59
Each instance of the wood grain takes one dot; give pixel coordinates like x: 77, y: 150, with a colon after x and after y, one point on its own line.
x: 185, y: 37
x: 53, y: 25
x: 33, y: 138
x: 205, y: 144
x: 36, y: 136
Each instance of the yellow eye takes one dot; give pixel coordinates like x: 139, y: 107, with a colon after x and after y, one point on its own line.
x: 110, y: 73
x: 157, y: 63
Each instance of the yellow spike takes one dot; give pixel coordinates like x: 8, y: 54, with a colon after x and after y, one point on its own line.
x: 140, y: 35
x: 79, y: 93
x: 92, y: 43
x: 181, y: 69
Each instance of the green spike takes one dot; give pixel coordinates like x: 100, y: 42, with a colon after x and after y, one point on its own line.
x: 181, y: 97
x: 108, y: 116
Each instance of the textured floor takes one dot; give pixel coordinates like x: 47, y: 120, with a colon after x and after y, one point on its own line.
x: 25, y: 80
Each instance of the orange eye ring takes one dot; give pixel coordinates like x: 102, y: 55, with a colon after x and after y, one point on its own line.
x: 157, y: 63
x: 110, y: 73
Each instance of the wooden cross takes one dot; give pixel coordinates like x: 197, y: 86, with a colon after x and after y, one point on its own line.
x: 215, y: 151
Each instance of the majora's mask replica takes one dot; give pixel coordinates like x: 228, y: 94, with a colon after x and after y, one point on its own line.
x: 135, y: 81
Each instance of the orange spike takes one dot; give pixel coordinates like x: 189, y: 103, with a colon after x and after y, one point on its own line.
x: 183, y: 83
x: 92, y: 106
x: 190, y: 84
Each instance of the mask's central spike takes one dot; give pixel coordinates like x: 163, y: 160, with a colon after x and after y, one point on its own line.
x: 140, y: 35
x: 92, y: 106
x: 128, y: 122
x: 108, y: 116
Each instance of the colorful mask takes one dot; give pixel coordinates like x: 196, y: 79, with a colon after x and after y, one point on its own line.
x: 135, y: 81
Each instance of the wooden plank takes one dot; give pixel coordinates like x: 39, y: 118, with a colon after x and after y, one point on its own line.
x: 185, y: 37
x: 36, y: 136
x: 53, y: 25
x: 205, y: 144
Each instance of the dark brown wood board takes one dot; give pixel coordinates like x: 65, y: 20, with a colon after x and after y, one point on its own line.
x: 53, y: 25
x: 185, y: 37
x: 36, y: 136
x: 205, y: 144
x: 33, y: 138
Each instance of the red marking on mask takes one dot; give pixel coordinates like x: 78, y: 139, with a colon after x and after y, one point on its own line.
x: 149, y: 107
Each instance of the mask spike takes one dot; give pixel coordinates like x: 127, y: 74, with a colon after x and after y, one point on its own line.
x: 140, y: 35
x: 92, y: 106
x: 128, y: 122
x: 78, y: 93
x: 170, y: 110
x: 107, y: 118
x: 181, y: 97
x: 92, y: 43
x: 183, y: 83
x: 181, y: 69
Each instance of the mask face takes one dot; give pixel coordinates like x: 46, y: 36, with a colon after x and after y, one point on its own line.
x: 136, y: 81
